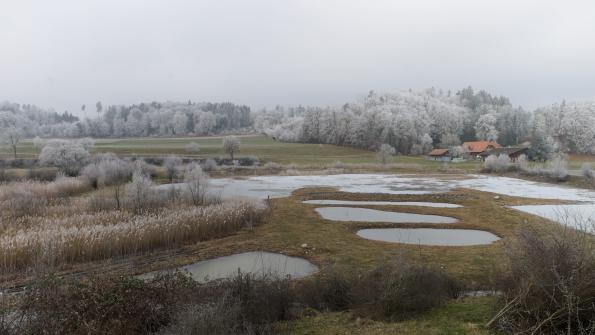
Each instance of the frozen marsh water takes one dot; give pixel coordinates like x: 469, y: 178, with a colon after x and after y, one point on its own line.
x: 382, y: 203
x: 430, y: 236
x: 372, y: 215
x: 254, y: 262
x: 262, y: 187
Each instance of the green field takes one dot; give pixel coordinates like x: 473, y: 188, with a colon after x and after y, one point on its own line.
x: 265, y: 149
x: 260, y: 146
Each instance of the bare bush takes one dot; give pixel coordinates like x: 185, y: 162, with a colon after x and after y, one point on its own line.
x: 549, y: 286
x: 101, y: 305
x: 394, y: 290
x: 196, y: 182
x: 231, y: 145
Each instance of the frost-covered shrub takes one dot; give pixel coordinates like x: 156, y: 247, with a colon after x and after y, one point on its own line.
x: 210, y: 165
x: 587, y: 171
x: 86, y: 142
x: 557, y: 168
x: 522, y: 163
x: 192, y: 147
x: 385, y: 152
x: 94, y: 174
x: 196, y: 182
x: 38, y: 143
x: 69, y: 157
x: 171, y: 164
x: 495, y: 163
x: 139, y: 190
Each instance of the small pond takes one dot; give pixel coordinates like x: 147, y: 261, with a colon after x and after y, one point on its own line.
x: 254, y: 262
x: 382, y: 203
x: 430, y: 236
x: 372, y: 215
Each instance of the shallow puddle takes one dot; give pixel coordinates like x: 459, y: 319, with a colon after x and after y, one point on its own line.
x: 372, y: 215
x: 254, y: 262
x: 382, y: 203
x: 430, y: 236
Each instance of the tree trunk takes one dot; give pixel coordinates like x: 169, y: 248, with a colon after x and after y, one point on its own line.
x: 14, y: 150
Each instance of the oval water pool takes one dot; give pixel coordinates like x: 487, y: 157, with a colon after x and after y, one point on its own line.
x: 430, y: 236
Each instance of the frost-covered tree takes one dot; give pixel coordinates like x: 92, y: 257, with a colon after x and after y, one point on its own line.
x: 196, y: 182
x: 171, y: 164
x: 140, y: 190
x: 180, y: 123
x: 231, y: 145
x: 485, y: 128
x: 385, y: 152
x: 11, y: 137
x: 68, y: 156
x: 115, y: 172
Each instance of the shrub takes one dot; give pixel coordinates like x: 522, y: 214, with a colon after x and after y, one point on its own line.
x: 192, y: 147
x: 94, y: 174
x: 196, y: 183
x: 549, y: 285
x: 101, y: 305
x: 140, y: 191
x: 69, y: 157
x: 210, y: 165
x: 557, y: 168
x: 393, y: 291
x: 587, y: 171
x: 385, y: 152
x: 171, y: 164
x: 499, y: 163
x: 231, y: 145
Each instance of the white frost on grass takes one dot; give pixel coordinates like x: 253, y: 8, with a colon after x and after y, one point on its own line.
x: 382, y: 203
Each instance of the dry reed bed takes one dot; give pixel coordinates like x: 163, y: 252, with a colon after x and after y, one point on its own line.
x: 54, y: 240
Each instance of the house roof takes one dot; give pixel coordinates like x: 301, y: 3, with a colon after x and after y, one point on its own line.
x: 480, y: 146
x: 508, y: 151
x: 438, y: 152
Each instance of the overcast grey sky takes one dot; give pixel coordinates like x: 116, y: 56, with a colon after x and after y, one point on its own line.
x: 64, y: 53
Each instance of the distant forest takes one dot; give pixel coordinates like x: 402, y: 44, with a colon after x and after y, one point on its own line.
x: 410, y: 121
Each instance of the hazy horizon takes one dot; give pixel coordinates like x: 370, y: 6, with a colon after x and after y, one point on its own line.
x: 67, y: 53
